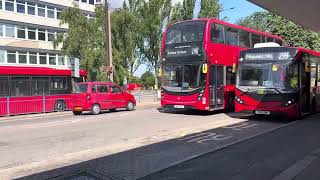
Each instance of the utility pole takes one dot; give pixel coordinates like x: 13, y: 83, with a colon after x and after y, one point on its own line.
x: 107, y: 29
x: 218, y: 17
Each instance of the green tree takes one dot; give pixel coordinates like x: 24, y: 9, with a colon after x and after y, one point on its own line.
x: 126, y: 28
x: 85, y: 40
x: 210, y: 8
x: 293, y: 34
x: 147, y: 80
x: 135, y: 79
x: 184, y: 10
x: 152, y: 13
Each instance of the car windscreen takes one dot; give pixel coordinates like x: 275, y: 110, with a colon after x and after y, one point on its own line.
x: 81, y: 88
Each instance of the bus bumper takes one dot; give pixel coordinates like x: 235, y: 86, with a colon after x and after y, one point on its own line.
x: 290, y: 111
x: 198, y: 105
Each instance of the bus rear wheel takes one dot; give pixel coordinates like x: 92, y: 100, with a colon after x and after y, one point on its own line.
x: 60, y: 105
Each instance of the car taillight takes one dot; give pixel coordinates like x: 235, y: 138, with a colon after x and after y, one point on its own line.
x: 88, y: 97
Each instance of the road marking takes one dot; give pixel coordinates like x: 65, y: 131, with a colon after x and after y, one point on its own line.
x: 294, y: 170
x: 125, y: 114
x: 203, y: 137
x: 31, y: 118
x: 240, y: 126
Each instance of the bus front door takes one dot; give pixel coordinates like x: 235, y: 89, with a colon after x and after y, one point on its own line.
x: 305, y: 90
x: 216, y: 86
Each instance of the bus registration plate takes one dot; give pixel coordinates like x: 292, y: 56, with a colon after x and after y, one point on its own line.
x: 263, y: 112
x: 179, y: 106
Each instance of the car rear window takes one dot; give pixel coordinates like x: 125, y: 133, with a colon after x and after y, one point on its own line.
x: 81, y: 88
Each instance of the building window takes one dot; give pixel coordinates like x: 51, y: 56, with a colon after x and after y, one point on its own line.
x: 50, y: 35
x: 0, y: 4
x: 41, y: 35
x: 22, y: 58
x: 2, y: 60
x: 11, y: 57
x: 21, y: 32
x: 1, y: 29
x: 59, y: 13
x: 52, y: 59
x: 41, y: 11
x: 33, y: 58
x: 50, y: 12
x: 84, y: 1
x: 31, y: 9
x: 43, y: 58
x: 91, y: 2
x: 31, y: 34
x: 10, y: 31
x: 60, y: 60
x: 9, y: 5
x: 20, y: 6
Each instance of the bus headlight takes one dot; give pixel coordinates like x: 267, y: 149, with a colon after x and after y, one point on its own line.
x: 204, y: 100
x: 238, y: 100
x: 288, y: 103
x: 200, y: 94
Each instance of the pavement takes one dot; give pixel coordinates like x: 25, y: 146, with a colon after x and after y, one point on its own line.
x: 289, y: 152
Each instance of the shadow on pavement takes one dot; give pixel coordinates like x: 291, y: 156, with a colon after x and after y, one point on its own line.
x: 139, y: 162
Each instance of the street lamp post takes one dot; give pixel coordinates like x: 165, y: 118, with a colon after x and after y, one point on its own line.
x: 225, y: 10
x: 108, y: 67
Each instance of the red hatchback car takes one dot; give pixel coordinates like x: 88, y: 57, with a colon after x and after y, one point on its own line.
x: 97, y: 96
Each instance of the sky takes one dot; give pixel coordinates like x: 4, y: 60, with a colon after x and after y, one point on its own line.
x: 242, y: 9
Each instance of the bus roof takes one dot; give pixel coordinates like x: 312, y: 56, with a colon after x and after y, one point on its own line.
x: 231, y: 25
x: 36, y: 71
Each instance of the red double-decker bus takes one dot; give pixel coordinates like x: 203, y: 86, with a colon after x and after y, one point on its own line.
x: 278, y: 81
x: 25, y: 89
x: 198, y: 62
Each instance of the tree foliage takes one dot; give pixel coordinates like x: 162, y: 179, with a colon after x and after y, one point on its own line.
x: 136, y: 31
x: 147, y: 80
x: 184, y: 10
x: 293, y: 34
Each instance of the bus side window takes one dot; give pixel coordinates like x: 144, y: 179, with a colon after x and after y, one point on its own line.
x: 278, y: 41
x: 4, y: 86
x: 255, y: 38
x: 269, y: 39
x: 313, y: 82
x: 264, y: 39
x: 232, y: 36
x: 231, y: 77
x: 318, y: 78
x: 244, y: 38
x: 217, y: 33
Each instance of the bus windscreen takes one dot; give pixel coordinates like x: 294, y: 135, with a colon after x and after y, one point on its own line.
x: 186, y: 32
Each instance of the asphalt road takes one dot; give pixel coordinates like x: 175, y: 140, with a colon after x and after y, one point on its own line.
x: 31, y: 144
x: 148, y: 144
x: 289, y: 152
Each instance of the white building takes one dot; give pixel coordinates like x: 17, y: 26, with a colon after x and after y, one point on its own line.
x: 27, y: 28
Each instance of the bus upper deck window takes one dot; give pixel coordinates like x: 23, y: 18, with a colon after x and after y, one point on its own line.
x: 217, y: 33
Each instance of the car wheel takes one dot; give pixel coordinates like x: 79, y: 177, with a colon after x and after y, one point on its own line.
x: 130, y: 106
x: 77, y: 113
x: 95, y: 110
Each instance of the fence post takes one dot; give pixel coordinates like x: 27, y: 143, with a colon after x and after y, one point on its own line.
x: 139, y: 96
x: 8, y: 105
x: 44, y: 103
